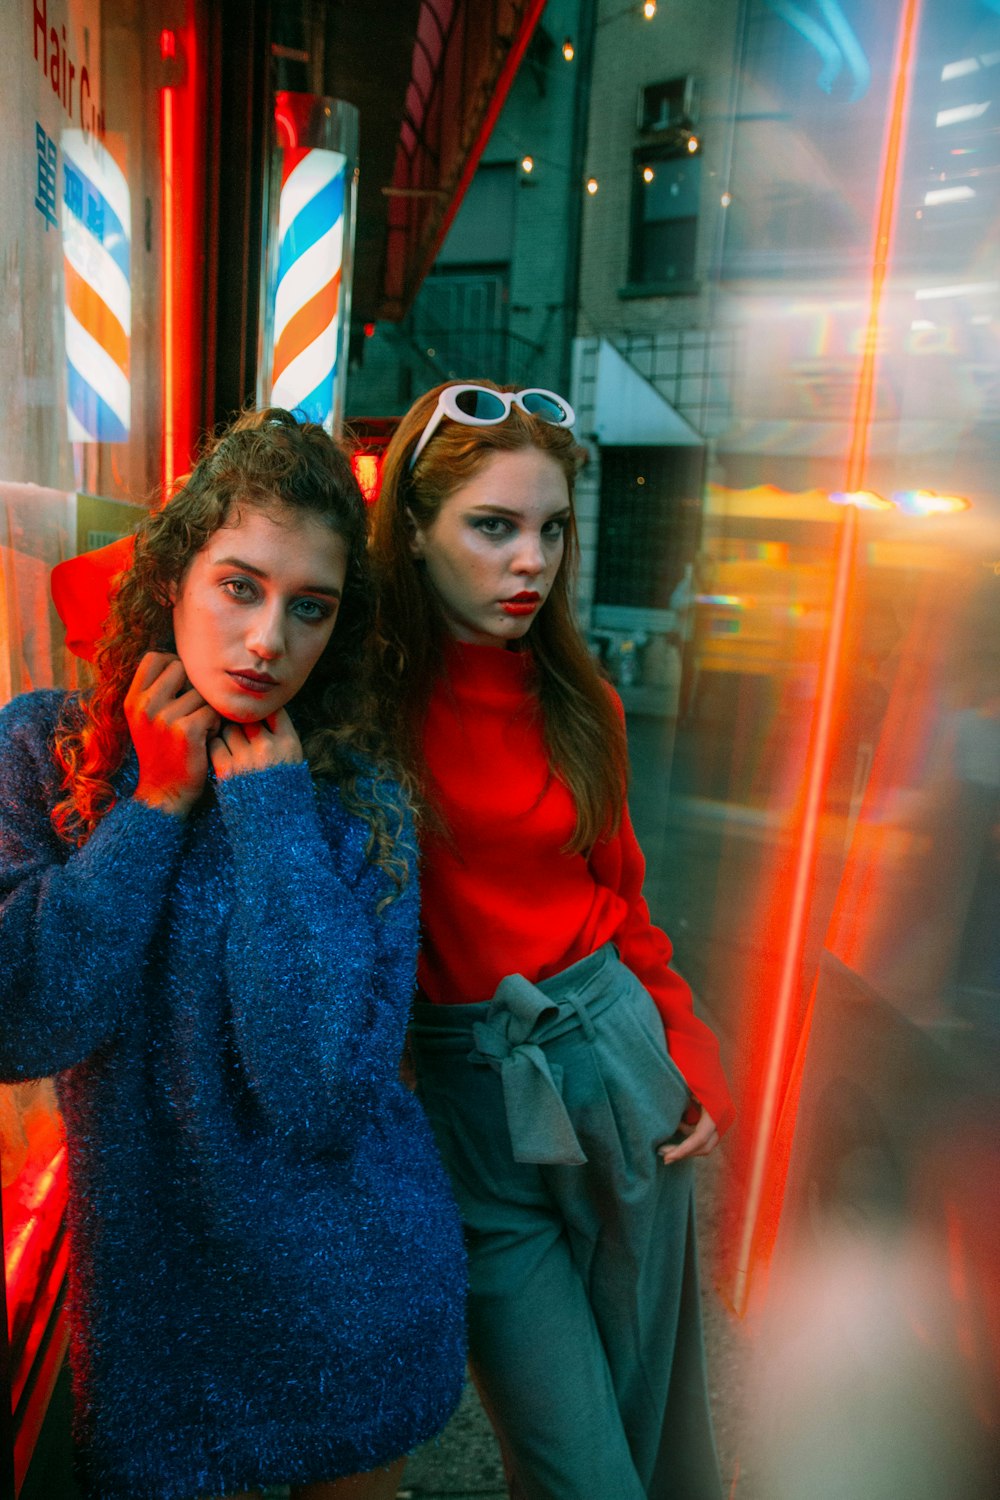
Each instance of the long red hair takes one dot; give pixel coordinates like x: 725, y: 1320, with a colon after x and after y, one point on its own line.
x: 584, y: 734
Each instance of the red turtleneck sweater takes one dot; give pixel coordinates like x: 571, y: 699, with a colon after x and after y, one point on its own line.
x: 499, y: 894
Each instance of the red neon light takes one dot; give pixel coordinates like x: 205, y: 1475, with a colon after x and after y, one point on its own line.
x: 292, y: 114
x: 778, y: 1096
x: 168, y: 44
x: 285, y: 128
x: 169, y: 291
x: 186, y: 360
x: 367, y: 471
x: 45, y: 1372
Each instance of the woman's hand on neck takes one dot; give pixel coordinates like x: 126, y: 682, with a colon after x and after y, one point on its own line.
x: 239, y: 748
x: 170, y: 724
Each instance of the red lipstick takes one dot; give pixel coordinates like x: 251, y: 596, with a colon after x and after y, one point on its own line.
x: 521, y: 604
x: 256, y: 683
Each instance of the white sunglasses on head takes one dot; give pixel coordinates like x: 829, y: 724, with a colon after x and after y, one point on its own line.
x: 479, y: 406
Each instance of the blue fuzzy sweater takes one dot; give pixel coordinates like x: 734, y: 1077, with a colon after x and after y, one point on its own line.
x: 267, y: 1274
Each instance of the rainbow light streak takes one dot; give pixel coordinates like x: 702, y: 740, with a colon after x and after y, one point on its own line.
x: 764, y: 1173
x: 775, y: 553
x: 927, y: 503
x: 861, y: 499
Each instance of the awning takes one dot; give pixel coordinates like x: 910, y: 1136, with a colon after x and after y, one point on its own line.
x: 630, y: 411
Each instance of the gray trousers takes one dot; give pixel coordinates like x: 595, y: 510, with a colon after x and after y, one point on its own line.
x: 585, y: 1339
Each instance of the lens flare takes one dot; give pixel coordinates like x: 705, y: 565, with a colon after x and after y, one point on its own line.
x: 927, y: 503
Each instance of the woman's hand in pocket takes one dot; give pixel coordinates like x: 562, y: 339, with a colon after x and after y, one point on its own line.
x: 700, y: 1139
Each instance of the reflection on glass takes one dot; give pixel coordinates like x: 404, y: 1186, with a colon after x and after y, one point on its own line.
x: 829, y: 857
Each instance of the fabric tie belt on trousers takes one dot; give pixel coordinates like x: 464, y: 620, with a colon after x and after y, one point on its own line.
x: 519, y: 1020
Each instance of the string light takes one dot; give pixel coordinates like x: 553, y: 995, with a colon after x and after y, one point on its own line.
x: 648, y: 174
x: 568, y: 50
x: 649, y: 9
x: 527, y: 164
x: 693, y: 144
x: 591, y: 185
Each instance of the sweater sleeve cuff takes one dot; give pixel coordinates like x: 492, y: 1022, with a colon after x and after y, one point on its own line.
x: 278, y: 799
x: 130, y: 842
x: 707, y: 1082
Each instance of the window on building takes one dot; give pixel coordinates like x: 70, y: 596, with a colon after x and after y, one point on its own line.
x: 668, y: 106
x: 665, y: 197
x: 460, y: 318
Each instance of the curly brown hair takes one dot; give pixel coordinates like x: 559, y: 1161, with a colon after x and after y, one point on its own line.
x: 584, y: 734
x: 269, y: 460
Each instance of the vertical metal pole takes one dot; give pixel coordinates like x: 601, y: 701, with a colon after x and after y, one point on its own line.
x: 578, y: 157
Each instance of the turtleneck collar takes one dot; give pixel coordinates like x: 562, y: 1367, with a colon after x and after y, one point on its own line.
x: 486, y: 671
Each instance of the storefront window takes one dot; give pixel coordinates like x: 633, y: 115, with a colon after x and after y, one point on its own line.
x: 99, y: 101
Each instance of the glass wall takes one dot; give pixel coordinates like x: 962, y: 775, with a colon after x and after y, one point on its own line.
x: 829, y: 858
x: 102, y: 273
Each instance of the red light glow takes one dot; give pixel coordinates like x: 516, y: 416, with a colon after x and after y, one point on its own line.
x: 183, y: 105
x: 169, y: 288
x: 782, y: 1045
x: 367, y: 471
x: 14, y: 1250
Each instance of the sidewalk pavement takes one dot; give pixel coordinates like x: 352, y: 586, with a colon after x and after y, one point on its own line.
x: 462, y: 1464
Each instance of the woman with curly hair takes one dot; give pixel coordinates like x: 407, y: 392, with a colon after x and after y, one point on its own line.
x: 208, y: 912
x: 569, y: 1083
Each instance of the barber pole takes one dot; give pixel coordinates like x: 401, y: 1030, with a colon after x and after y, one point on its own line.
x: 96, y: 236
x: 307, y: 297
x: 307, y: 305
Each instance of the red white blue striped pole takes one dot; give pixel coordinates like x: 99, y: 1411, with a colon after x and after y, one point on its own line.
x: 97, y: 247
x: 306, y: 310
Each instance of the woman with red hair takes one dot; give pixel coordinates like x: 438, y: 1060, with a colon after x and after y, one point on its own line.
x: 569, y: 1083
